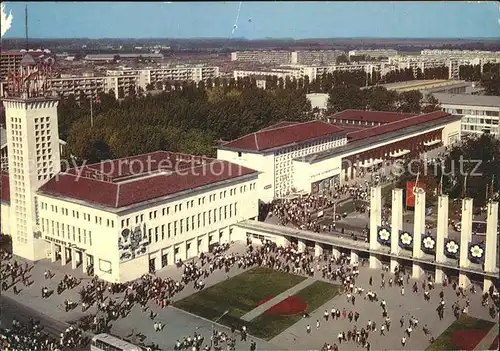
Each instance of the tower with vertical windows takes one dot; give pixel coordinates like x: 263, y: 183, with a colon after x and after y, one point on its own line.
x: 33, y: 153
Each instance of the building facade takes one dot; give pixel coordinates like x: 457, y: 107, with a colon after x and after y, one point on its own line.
x: 480, y: 114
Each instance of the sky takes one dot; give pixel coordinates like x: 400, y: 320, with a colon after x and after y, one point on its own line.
x: 257, y: 20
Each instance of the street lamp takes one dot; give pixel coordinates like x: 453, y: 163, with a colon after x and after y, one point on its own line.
x: 213, y: 322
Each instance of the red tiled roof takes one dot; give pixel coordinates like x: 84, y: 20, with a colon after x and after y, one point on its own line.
x: 5, y: 188
x: 139, y: 164
x: 281, y: 124
x: 390, y: 127
x: 266, y: 139
x: 371, y: 116
x: 118, y: 192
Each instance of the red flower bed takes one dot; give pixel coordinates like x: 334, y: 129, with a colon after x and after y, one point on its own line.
x: 468, y: 339
x: 494, y: 345
x: 290, y: 306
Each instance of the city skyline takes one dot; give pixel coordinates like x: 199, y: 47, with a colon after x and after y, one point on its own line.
x: 256, y: 20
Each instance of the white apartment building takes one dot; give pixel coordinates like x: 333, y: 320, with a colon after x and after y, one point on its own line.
x: 144, y: 212
x: 274, y: 72
x: 479, y: 113
x: 121, y: 80
x: 460, y: 53
x: 270, y: 57
x: 272, y: 150
x: 374, y: 52
x: 316, y: 71
x: 315, y: 57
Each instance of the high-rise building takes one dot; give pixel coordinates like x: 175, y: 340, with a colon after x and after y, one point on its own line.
x: 32, y: 141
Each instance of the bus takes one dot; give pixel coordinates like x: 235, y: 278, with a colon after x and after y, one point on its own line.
x: 106, y: 342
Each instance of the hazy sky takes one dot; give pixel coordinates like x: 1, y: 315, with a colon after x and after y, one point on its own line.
x: 440, y: 19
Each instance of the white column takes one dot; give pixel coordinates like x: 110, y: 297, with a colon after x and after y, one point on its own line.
x: 466, y: 231
x: 74, y: 262
x: 374, y: 261
x: 490, y: 255
x: 335, y: 252
x: 318, y: 249
x: 84, y: 262
x: 354, y: 257
x: 442, y: 228
x: 396, y: 221
x: 64, y: 256
x: 439, y: 276
x: 375, y: 216
x: 487, y: 283
x: 419, y: 224
x: 52, y: 252
x: 302, y: 245
x: 286, y: 242
x: 204, y: 244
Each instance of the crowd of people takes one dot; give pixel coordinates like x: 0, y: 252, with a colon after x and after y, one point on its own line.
x: 113, y: 301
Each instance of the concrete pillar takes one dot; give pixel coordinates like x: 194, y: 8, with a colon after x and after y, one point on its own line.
x: 419, y: 223
x: 417, y: 271
x: 74, y: 262
x: 463, y: 280
x: 52, y: 252
x: 318, y: 249
x: 487, y: 283
x: 335, y: 252
x: 301, y: 246
x: 466, y: 231
x: 439, y: 276
x: 490, y: 255
x: 64, y: 256
x: 157, y: 257
x: 203, y: 247
x: 84, y: 262
x: 354, y: 257
x: 375, y: 216
x: 171, y: 253
x: 374, y: 261
x: 396, y: 220
x: 394, y: 264
x: 442, y: 228
x: 286, y: 242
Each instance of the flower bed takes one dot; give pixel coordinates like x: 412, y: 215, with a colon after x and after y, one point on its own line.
x: 468, y: 339
x: 290, y: 306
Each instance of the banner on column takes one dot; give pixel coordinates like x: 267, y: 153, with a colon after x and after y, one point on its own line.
x: 411, y: 187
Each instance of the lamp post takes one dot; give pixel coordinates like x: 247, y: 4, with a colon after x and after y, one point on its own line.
x: 213, y: 322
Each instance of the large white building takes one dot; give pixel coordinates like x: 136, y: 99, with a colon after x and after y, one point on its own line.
x: 374, y: 52
x: 479, y: 113
x: 309, y: 157
x: 125, y: 217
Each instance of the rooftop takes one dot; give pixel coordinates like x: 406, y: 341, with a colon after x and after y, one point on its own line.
x: 371, y: 116
x: 372, y: 136
x: 138, y: 179
x: 468, y: 100
x: 281, y: 135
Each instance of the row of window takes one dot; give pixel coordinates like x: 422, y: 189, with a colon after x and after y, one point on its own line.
x: 188, y: 224
x: 189, y: 204
x: 76, y: 214
x: 65, y: 231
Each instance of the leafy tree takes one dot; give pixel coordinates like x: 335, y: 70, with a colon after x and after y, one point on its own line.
x: 460, y: 169
x: 342, y: 59
x: 491, y: 83
x: 410, y: 101
x: 431, y: 104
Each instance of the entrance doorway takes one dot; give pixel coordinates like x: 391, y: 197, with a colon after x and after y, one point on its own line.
x: 164, y: 260
x: 152, y: 266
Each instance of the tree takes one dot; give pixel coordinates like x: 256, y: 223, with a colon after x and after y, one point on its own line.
x: 412, y: 167
x: 342, y: 59
x: 491, y: 83
x: 473, y: 164
x: 410, y: 101
x: 346, y: 97
x: 431, y: 104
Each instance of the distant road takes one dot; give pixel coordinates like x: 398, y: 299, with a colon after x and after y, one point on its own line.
x: 11, y: 309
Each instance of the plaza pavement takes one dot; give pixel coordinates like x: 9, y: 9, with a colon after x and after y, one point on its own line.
x: 179, y: 323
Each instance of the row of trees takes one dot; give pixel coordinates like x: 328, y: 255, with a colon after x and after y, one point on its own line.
x: 189, y: 120
x: 379, y: 99
x: 489, y: 78
x: 470, y: 169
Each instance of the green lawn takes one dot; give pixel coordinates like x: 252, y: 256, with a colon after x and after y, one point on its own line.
x: 238, y: 295
x: 445, y: 342
x: 268, y: 326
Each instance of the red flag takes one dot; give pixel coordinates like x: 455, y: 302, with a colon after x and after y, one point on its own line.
x: 98, y: 99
